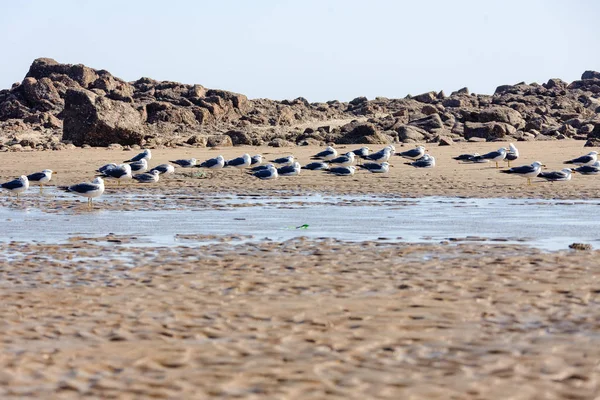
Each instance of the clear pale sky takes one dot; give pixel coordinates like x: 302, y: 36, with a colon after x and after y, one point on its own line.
x: 318, y: 49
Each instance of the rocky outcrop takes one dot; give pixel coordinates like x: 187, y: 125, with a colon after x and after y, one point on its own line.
x: 81, y: 105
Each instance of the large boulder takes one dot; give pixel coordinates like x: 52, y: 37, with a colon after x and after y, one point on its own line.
x: 429, y: 123
x: 487, y: 130
x: 99, y: 121
x: 411, y: 134
x: 41, y: 94
x: 590, y: 75
x: 363, y: 133
x: 503, y: 114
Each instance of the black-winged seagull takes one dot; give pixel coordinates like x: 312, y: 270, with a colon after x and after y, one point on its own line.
x: 526, y: 171
x: 589, y: 159
x: 16, y: 186
x: 552, y: 176
x: 290, y: 170
x: 164, y: 169
x: 376, y: 168
x: 413, y: 154
x: 41, y: 177
x: 316, y: 166
x: 144, y: 155
x: 90, y: 190
x: 213, y: 163
x: 328, y: 154
x: 269, y: 173
x: 148, y: 177
x: 185, y: 163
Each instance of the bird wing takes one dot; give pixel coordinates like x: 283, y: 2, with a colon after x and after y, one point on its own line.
x: 582, y: 160
x: 491, y: 154
x: 525, y: 169
x: 83, y: 187
x: 36, y: 176
x: 15, y: 184
x: 410, y: 153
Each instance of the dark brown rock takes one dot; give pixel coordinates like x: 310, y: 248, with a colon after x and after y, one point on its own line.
x: 239, y: 138
x: 219, y: 141
x: 488, y: 130
x: 362, y: 133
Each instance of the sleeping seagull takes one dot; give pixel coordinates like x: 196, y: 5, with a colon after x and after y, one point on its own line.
x: 213, y: 163
x: 41, y: 177
x: 290, y: 170
x: 328, y: 154
x: 513, y: 153
x: 593, y: 169
x: 562, y: 175
x: 144, y: 155
x: 589, y: 159
x: 89, y: 190
x: 466, y: 157
x: 316, y: 166
x: 139, y: 166
x: 345, y: 160
x: 495, y: 156
x: 269, y: 173
x: 257, y: 159
x: 382, y: 168
x: 16, y: 186
x: 382, y: 155
x: 426, y: 161
x: 343, y: 171
x: 148, y: 177
x: 289, y: 160
x: 260, y: 167
x: 413, y: 154
x: 240, y: 162
x: 119, y: 172
x: 526, y: 171
x: 185, y: 163
x: 164, y: 169
x: 105, y: 167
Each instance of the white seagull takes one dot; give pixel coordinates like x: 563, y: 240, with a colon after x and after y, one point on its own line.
x: 290, y: 170
x: 144, y: 155
x: 89, y: 190
x: 513, y: 153
x: 213, y: 163
x: 148, y: 177
x: 593, y: 169
x: 328, y: 154
x: 41, y: 177
x: 120, y: 173
x: 185, y: 163
x: 345, y: 160
x: 413, y: 154
x: 382, y: 155
x: 283, y: 161
x: 589, y: 159
x: 495, y: 156
x: 16, y: 186
x: 164, y: 169
x: 426, y: 161
x: 257, y: 159
x: 139, y: 166
x: 240, y: 162
x: 376, y: 168
x: 526, y: 171
x: 552, y: 176
x: 343, y: 171
x: 269, y: 173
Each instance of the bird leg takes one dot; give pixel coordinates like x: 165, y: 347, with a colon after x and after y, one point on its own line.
x: 508, y: 163
x: 529, y: 181
x: 497, y: 165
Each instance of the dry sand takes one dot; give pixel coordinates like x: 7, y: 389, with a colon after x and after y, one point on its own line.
x: 303, y: 319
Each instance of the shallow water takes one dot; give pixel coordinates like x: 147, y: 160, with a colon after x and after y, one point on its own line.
x: 546, y: 224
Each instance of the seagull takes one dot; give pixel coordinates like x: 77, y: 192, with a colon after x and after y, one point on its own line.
x: 345, y: 160
x: 513, y: 153
x: 105, y: 167
x: 343, y: 171
x: 185, y: 163
x: 289, y: 160
x: 328, y: 154
x: 593, y: 169
x: 144, y: 155
x: 269, y: 173
x: 290, y: 170
x: 413, y: 154
x: 140, y: 166
x: 495, y: 156
x: 260, y: 168
x: 316, y: 166
x: 526, y: 171
x: 42, y: 177
x: 148, y: 177
x: 165, y: 169
x: 589, y: 159
x: 362, y: 152
x: 466, y: 157
x: 382, y: 155
x: 119, y: 172
x: 89, y: 190
x: 16, y: 186
x: 257, y: 159
x: 213, y: 163
x: 426, y: 161
x: 240, y: 162
x: 382, y: 168
x: 562, y: 175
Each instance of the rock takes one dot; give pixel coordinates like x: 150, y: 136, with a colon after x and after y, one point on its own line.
x: 452, y: 102
x: 218, y: 141
x: 409, y: 133
x: 428, y: 97
x: 428, y: 123
x: 592, y: 143
x: 555, y: 84
x: 496, y: 114
x: 362, y: 133
x: 445, y: 141
x: 114, y: 146
x: 488, y: 130
x: 197, y: 140
x: 99, y: 121
x: 358, y: 100
x: 580, y: 246
x: 279, y: 142
x: 428, y: 109
x: 590, y: 75
x: 239, y: 138
x: 41, y: 94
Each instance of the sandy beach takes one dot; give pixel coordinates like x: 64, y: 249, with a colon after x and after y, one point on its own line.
x: 304, y: 319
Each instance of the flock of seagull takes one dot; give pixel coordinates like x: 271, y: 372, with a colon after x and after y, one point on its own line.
x: 327, y: 160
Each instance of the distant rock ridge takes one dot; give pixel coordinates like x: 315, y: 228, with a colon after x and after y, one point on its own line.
x: 58, y: 105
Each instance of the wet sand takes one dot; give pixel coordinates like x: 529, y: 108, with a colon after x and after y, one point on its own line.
x: 105, y: 318
x: 448, y: 178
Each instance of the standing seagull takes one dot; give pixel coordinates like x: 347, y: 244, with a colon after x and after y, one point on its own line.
x: 343, y: 171
x: 240, y: 162
x: 426, y: 161
x: 362, y: 152
x: 345, y: 160
x: 290, y: 170
x: 139, y: 166
x: 382, y: 168
x: 144, y: 155
x: 513, y: 153
x: 164, y: 169
x: 328, y: 154
x: 283, y: 161
x: 495, y: 156
x: 413, y: 154
x: 382, y: 155
x: 526, y: 171
x: 185, y: 163
x: 562, y: 175
x: 593, y: 169
x: 589, y: 159
x: 148, y: 177
x: 17, y: 186
x: 119, y: 172
x: 89, y: 190
x: 213, y: 163
x: 269, y: 173
x: 41, y: 177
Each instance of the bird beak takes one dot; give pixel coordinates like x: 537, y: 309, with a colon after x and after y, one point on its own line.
x: 573, y: 171
x: 544, y: 165
x: 391, y: 166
